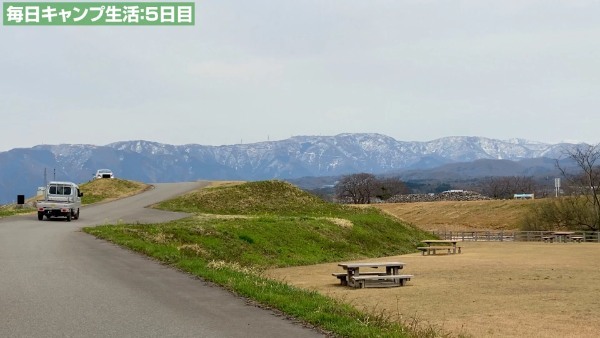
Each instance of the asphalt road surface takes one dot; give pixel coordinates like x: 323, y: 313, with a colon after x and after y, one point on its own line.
x: 56, y: 281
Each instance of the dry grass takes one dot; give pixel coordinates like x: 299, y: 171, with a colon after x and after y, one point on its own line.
x: 110, y: 189
x: 490, y: 290
x: 341, y: 222
x: 455, y: 216
x: 216, y: 184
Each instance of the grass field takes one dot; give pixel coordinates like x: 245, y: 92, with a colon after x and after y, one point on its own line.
x: 277, y: 245
x: 490, y: 290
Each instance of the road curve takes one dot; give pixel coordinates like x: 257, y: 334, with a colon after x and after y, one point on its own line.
x: 57, y: 281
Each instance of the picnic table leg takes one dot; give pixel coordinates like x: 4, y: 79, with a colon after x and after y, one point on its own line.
x: 351, y: 281
x: 344, y: 281
x: 392, y: 270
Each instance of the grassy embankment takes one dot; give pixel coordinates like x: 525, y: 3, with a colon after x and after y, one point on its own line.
x: 462, y: 216
x: 101, y: 190
x: 238, y: 231
x: 11, y: 210
x: 93, y: 192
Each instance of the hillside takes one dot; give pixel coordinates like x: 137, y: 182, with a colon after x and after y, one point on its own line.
x: 466, y: 215
x: 110, y: 189
x: 273, y: 223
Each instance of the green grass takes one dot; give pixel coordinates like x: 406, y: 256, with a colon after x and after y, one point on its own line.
x: 94, y: 192
x: 255, y: 198
x: 106, y: 189
x: 11, y: 210
x: 238, y: 231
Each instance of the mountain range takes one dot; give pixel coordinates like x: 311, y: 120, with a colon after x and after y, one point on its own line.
x: 22, y: 169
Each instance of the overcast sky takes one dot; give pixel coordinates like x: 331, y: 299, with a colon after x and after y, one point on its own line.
x: 249, y: 71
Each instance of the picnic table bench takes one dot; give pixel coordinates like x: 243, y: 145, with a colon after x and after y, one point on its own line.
x: 577, y: 239
x: 562, y: 237
x: 432, y: 249
x: 343, y: 276
x: 548, y: 238
x: 382, y: 280
x: 354, y: 277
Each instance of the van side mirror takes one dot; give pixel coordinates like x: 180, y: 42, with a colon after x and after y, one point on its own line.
x: 80, y: 194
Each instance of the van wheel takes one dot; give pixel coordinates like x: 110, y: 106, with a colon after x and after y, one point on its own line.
x: 40, y: 216
x: 76, y: 215
x: 69, y: 217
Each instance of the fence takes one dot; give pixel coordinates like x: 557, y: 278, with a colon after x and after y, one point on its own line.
x: 510, y: 236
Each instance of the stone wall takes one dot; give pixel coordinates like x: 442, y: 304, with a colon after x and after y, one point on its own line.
x: 444, y: 196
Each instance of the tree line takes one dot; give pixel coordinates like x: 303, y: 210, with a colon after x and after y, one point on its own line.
x: 578, y: 207
x: 362, y: 188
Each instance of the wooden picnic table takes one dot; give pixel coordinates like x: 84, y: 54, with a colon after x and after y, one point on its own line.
x: 452, y: 242
x: 353, y: 277
x: 562, y: 236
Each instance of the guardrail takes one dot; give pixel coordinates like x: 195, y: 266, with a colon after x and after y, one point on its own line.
x: 510, y: 236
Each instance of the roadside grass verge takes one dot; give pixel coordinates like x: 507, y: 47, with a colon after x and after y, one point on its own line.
x: 11, y: 210
x: 239, y: 231
x: 93, y: 192
x: 109, y: 189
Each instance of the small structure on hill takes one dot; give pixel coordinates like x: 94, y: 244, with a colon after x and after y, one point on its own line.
x: 524, y: 196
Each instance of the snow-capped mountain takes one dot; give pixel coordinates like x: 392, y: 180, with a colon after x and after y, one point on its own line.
x: 22, y: 170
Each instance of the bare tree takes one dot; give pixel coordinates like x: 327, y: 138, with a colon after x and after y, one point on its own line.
x: 388, y: 187
x: 507, y: 186
x: 585, y: 184
x: 356, y: 187
x: 360, y: 188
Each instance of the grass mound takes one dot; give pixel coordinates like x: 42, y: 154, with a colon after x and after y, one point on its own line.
x: 109, y: 189
x: 254, y: 198
x: 272, y: 223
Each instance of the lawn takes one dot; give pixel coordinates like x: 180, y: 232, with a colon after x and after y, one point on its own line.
x: 503, y: 289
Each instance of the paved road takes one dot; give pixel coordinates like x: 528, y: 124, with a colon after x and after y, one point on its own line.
x: 57, y: 281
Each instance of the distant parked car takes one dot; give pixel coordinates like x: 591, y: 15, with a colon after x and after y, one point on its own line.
x: 104, y: 173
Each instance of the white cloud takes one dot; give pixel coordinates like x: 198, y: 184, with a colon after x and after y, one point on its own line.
x: 414, y: 70
x: 243, y: 71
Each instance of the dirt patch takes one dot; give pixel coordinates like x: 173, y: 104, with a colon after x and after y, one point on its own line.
x: 490, y: 290
x: 343, y: 223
